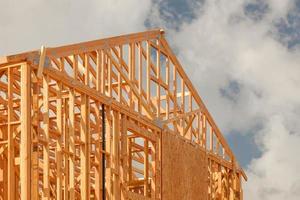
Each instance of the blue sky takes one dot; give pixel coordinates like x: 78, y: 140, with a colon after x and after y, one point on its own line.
x: 175, y: 13
x: 243, y: 57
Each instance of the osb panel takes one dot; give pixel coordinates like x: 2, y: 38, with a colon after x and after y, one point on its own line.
x: 184, y: 170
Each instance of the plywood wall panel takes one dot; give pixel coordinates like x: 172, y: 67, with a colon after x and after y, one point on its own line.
x: 184, y: 169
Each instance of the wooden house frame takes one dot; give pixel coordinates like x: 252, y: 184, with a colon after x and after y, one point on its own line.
x: 96, y: 120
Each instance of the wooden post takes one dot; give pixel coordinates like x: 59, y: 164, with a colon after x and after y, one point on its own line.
x: 11, y: 145
x: 103, y: 74
x: 146, y: 167
x: 98, y: 155
x: 84, y: 148
x: 46, y: 174
x: 98, y: 71
x: 129, y: 151
x: 25, y: 133
x: 154, y: 169
x: 34, y: 138
x: 204, y: 127
x: 109, y: 77
x: 168, y: 84
x: 59, y: 143
x: 116, y: 140
x: 158, y: 96
x: 124, y: 158
x: 66, y: 126
x: 211, y: 139
x: 174, y: 90
x: 148, y: 88
x: 71, y: 145
x: 131, y: 63
x: 140, y: 67
x: 108, y: 136
x: 119, y: 90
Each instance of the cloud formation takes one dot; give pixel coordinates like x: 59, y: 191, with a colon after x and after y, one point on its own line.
x: 29, y: 24
x: 249, y: 79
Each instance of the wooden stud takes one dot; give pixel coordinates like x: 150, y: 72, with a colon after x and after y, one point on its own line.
x: 84, y: 148
x: 11, y: 146
x: 116, y: 152
x: 34, y: 135
x: 25, y: 134
x: 71, y: 144
x: 98, y: 156
x: 148, y: 71
x: 59, y: 194
x: 158, y: 67
x: 66, y: 153
x: 146, y: 167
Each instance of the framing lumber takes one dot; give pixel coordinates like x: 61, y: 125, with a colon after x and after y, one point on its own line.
x: 88, y: 121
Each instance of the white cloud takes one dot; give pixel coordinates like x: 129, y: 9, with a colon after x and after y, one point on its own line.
x: 223, y: 46
x: 274, y: 175
x: 26, y: 25
x: 280, y: 8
